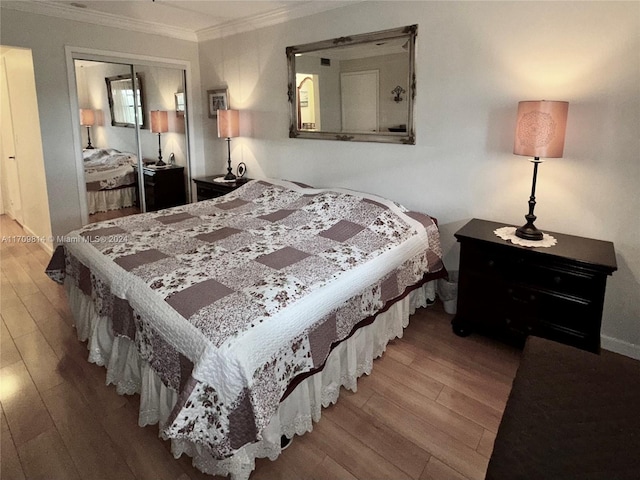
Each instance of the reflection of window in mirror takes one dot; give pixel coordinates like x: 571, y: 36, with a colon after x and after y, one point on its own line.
x: 122, y: 101
x: 180, y: 104
x: 308, y: 101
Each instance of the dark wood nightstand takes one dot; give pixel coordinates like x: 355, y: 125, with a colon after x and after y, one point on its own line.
x: 207, y: 188
x: 164, y: 187
x: 555, y: 292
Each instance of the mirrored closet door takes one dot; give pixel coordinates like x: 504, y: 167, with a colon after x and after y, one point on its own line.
x: 134, y: 137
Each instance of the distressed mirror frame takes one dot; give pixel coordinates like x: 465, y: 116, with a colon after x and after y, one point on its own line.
x: 410, y: 31
x: 114, y: 121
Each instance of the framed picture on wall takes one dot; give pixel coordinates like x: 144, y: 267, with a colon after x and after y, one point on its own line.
x: 218, y: 100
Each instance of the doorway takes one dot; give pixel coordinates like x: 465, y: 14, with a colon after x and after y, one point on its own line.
x: 23, y: 181
x: 359, y: 101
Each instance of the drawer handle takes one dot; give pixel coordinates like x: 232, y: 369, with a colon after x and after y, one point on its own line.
x: 522, y: 297
x: 557, y: 279
x: 491, y: 263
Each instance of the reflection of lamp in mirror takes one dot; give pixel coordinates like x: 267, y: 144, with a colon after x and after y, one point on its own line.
x: 159, y: 125
x: 87, y: 119
x: 540, y: 130
x: 228, y: 127
x: 397, y: 92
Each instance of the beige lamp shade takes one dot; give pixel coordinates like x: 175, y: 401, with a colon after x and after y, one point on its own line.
x: 159, y: 121
x: 87, y: 117
x: 540, y: 128
x: 228, y: 123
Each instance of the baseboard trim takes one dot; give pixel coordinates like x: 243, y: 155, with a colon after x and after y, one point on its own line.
x: 620, y: 346
x: 46, y: 245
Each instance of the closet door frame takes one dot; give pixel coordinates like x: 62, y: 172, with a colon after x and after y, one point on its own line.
x: 81, y: 53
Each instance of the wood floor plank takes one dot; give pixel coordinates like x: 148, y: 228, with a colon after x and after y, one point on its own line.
x: 468, y: 354
x: 39, y: 306
x: 382, y: 439
x: 397, y: 350
x: 40, y: 360
x: 8, y: 352
x: 485, y: 448
x: 438, y: 416
x: 438, y: 470
x: 480, y: 413
x: 490, y: 393
x: 90, y: 447
x: 141, y: 448
x: 451, y: 451
x: 18, y: 321
x: 26, y: 415
x: 19, y: 279
x: 300, y: 460
x: 329, y: 468
x: 351, y: 453
x: 10, y: 467
x: 45, y: 457
x: 10, y: 298
x: 409, y: 377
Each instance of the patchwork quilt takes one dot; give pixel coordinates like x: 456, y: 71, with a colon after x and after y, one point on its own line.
x: 230, y: 299
x: 106, y: 169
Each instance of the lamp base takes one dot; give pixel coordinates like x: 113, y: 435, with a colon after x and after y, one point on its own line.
x: 529, y: 232
x: 160, y: 163
x: 229, y: 176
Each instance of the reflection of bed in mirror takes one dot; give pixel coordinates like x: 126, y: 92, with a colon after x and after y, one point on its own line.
x: 110, y: 179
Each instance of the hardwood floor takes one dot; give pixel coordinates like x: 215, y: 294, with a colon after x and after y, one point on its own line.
x: 111, y: 214
x: 429, y: 411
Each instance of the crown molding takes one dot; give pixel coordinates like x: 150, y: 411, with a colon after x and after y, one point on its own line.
x: 68, y: 12
x: 268, y: 19
x: 242, y: 25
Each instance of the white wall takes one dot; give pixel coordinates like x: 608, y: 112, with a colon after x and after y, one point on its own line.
x: 47, y: 37
x: 475, y: 61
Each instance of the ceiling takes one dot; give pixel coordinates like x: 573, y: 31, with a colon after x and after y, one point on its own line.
x: 194, y: 20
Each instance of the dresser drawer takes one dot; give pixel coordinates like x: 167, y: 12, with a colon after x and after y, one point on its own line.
x: 205, y: 192
x: 556, y: 278
x: 485, y: 260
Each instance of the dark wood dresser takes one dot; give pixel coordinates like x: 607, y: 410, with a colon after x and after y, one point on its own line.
x: 164, y: 187
x: 552, y: 292
x: 207, y: 187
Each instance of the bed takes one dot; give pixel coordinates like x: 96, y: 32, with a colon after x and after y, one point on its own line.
x: 238, y: 318
x: 110, y: 179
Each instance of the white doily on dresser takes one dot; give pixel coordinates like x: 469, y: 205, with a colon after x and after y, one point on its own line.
x: 223, y: 180
x: 509, y: 233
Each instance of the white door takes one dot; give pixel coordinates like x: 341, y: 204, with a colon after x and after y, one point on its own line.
x: 9, y: 167
x: 359, y: 93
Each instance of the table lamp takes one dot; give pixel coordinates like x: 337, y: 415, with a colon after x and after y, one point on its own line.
x: 159, y: 125
x: 88, y: 119
x: 228, y: 127
x: 540, y: 130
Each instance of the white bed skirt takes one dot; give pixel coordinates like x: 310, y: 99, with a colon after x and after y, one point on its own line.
x: 296, y: 414
x: 106, y: 200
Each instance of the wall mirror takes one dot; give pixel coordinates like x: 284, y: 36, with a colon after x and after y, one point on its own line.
x: 356, y: 88
x: 123, y: 101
